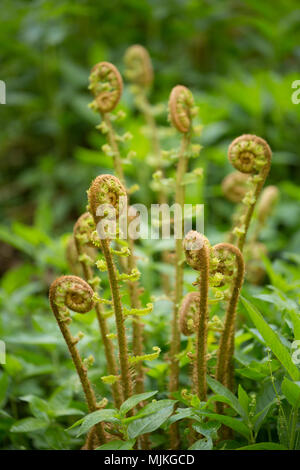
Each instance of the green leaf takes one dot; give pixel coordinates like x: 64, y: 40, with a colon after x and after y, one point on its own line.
x: 262, y: 415
x: 219, y: 389
x: 208, y: 429
x: 29, y: 425
x: 153, y: 421
x: 182, y: 413
x: 202, y: 444
x: 243, y: 398
x: 232, y: 423
x: 291, y: 391
x: 263, y: 446
x: 67, y: 412
x: 38, y: 407
x: 94, y: 418
x: 272, y: 340
x: 134, y: 400
x: 118, y: 445
x: 61, y: 398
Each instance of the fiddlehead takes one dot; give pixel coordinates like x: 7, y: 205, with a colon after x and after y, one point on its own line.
x: 234, y: 186
x: 138, y: 65
x: 139, y: 72
x: 189, y: 306
x: 112, y: 148
x: 108, y: 188
x: 251, y: 155
x: 197, y: 252
x: 71, y: 292
x: 106, y: 85
x: 83, y: 230
x: 181, y: 108
x: 231, y: 266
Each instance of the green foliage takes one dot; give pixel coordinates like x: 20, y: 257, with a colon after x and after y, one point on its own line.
x: 240, y: 60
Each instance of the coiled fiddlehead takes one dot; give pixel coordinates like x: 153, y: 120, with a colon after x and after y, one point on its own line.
x: 232, y: 267
x: 197, y: 252
x: 181, y: 108
x: 188, y: 308
x: 251, y: 155
x: 106, y: 85
x: 103, y: 188
x: 139, y: 69
x: 234, y: 186
x: 139, y: 72
x: 83, y: 230
x: 106, y: 190
x: 71, y: 292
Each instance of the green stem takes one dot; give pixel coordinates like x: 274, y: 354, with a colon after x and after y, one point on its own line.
x: 251, y: 207
x: 115, y: 148
x: 122, y: 340
x: 107, y: 342
x: 226, y: 346
x: 81, y: 370
x: 145, y: 108
x: 137, y: 343
x: 201, y: 327
x: 175, y: 334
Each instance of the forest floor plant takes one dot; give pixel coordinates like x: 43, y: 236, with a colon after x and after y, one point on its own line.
x: 220, y: 268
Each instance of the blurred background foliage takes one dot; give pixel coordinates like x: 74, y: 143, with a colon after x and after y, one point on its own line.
x: 238, y: 57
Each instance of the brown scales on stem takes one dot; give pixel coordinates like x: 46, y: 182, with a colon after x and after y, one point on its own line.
x: 197, y: 252
x: 71, y: 292
x: 104, y: 188
x: 82, y: 235
x: 235, y: 275
x: 181, y: 104
x: 113, y: 82
x: 250, y: 155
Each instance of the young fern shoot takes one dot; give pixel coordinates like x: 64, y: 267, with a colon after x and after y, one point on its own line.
x: 197, y: 252
x: 181, y: 108
x: 251, y: 155
x: 71, y: 292
x: 83, y: 230
x: 108, y: 190
x: 231, y: 266
x: 188, y: 308
x: 139, y: 72
x: 106, y: 84
x: 181, y: 111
